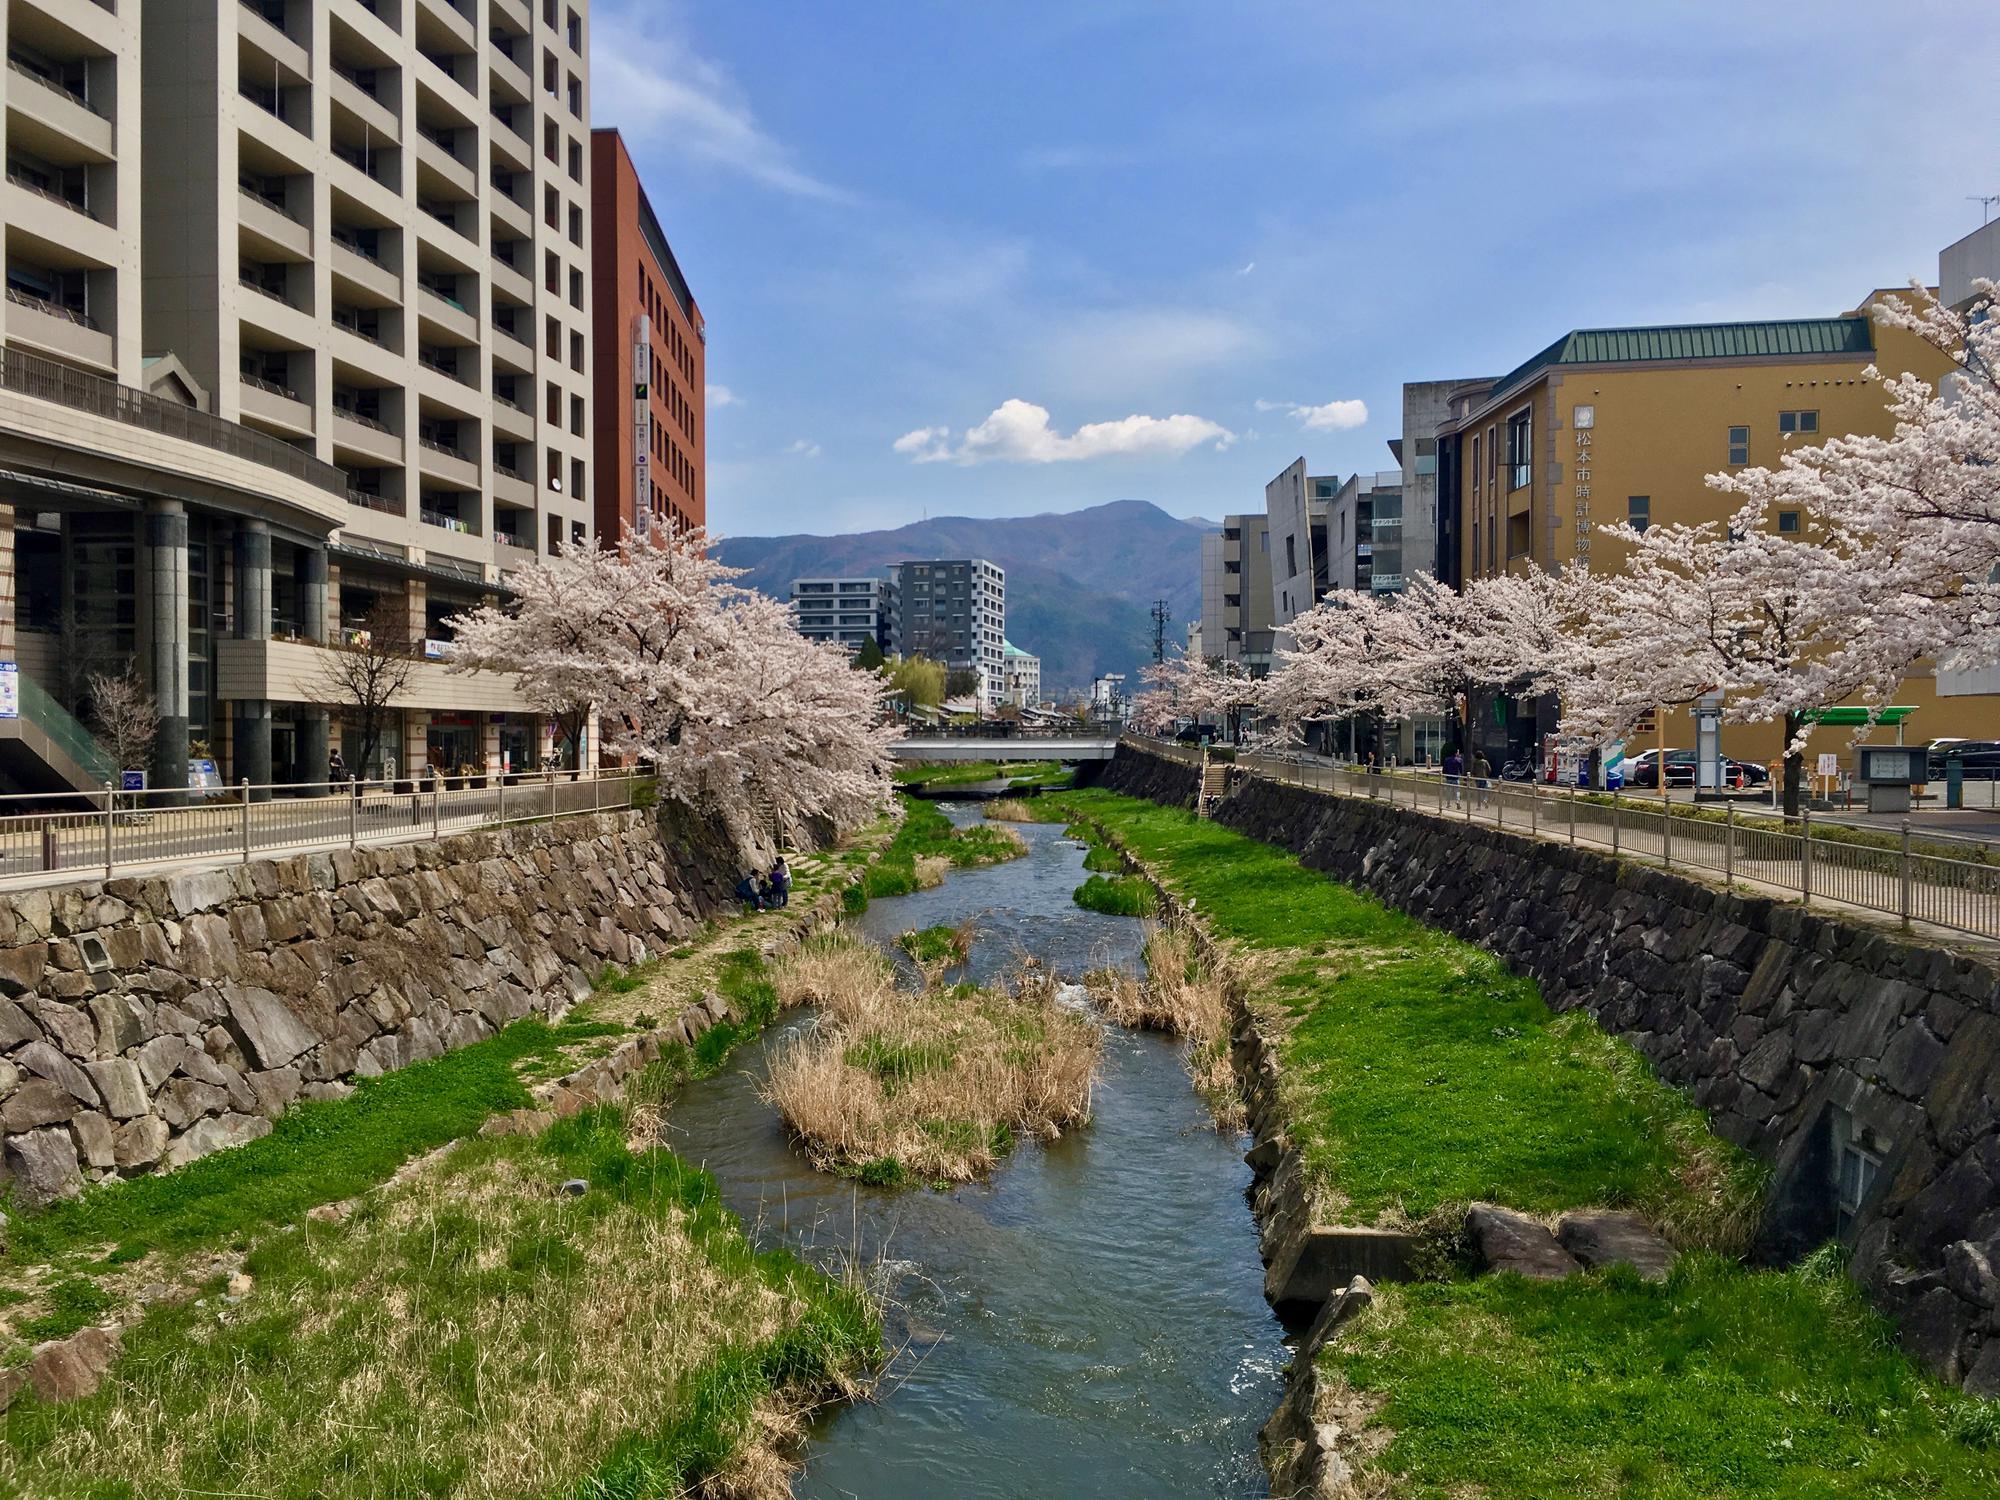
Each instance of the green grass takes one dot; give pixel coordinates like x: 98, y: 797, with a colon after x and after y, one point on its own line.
x: 939, y: 944
x: 73, y: 1303
x: 1769, y: 1385
x: 1103, y: 861
x: 316, y: 1153
x: 1117, y: 896
x: 927, y: 832
x: 453, y: 1326
x: 741, y: 979
x: 1426, y: 1075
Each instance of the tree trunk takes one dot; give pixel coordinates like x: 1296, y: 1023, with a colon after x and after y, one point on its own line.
x: 1795, y: 767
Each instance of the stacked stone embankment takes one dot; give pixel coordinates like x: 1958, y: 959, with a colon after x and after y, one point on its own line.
x: 1864, y: 1066
x: 146, y: 1022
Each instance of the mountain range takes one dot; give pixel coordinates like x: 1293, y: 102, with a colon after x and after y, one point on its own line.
x: 1080, y: 585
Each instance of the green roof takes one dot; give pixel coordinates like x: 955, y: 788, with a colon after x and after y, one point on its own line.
x: 1616, y: 346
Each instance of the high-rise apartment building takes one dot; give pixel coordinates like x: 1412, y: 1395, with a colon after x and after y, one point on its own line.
x: 954, y: 611
x: 1236, y: 593
x: 852, y: 611
x: 650, y: 358
x: 327, y: 376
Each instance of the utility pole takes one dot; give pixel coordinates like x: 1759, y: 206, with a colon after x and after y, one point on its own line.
x: 1160, y: 618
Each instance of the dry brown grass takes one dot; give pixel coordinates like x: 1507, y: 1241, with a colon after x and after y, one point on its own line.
x: 1184, y: 996
x: 936, y: 1084
x: 1010, y: 810
x: 841, y: 975
x: 931, y: 870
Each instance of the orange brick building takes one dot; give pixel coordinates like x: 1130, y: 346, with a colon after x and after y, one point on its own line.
x: 649, y: 360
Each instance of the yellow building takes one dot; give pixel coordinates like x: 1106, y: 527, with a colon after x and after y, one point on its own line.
x: 1625, y: 424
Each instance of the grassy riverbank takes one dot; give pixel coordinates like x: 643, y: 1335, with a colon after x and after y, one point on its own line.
x: 450, y: 1313
x: 925, y: 846
x: 471, y: 1330
x: 1422, y: 1074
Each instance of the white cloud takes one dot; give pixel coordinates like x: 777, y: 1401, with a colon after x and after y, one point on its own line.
x: 1020, y: 432
x: 1247, y: 269
x: 804, y: 449
x: 1334, y: 416
x: 720, y: 396
x: 646, y: 80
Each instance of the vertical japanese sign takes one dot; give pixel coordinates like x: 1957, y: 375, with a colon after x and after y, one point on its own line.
x: 1584, y: 424
x: 642, y: 426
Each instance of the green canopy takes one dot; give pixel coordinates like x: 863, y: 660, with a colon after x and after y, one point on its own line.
x: 1857, y: 715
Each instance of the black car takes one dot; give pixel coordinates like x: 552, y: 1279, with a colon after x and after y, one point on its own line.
x: 1978, y: 760
x: 1746, y: 772
x: 1643, y: 769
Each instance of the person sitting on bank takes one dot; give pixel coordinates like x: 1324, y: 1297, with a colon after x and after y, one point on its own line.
x: 748, y: 893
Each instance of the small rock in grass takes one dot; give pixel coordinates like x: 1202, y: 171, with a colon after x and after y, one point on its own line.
x: 575, y: 1187
x: 1602, y: 1238
x: 1510, y: 1241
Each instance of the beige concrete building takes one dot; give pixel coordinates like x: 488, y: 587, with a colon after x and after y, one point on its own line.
x: 326, y: 376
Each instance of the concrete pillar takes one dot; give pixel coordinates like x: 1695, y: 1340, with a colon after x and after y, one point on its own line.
x: 493, y: 744
x: 165, y: 573
x: 315, y: 723
x: 416, y: 740
x: 253, y: 623
x: 7, y: 583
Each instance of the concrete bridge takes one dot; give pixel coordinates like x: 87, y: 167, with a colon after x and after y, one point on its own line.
x: 1068, y: 747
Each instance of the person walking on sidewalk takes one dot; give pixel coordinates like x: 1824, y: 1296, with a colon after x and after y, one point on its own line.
x: 1454, y: 774
x: 1482, y: 774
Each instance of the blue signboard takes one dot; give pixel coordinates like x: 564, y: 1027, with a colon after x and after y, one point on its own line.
x: 203, y: 777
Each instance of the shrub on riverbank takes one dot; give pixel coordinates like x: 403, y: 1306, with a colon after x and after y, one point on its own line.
x: 934, y: 1084
x: 939, y: 947
x: 1009, y: 810
x: 470, y: 1330
x: 926, y: 846
x: 1117, y: 896
x: 1183, y: 996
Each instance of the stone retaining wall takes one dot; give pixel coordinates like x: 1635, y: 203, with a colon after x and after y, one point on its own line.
x: 146, y: 1022
x: 1818, y: 1044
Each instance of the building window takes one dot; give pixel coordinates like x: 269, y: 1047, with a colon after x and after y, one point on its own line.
x: 1639, y: 512
x: 1291, y: 556
x: 576, y: 415
x: 575, y: 225
x: 575, y: 287
x: 576, y: 477
x: 1520, y: 440
x: 576, y: 351
x: 575, y: 32
x: 1798, y: 421
x: 1739, y: 445
x: 576, y: 161
x: 1788, y: 521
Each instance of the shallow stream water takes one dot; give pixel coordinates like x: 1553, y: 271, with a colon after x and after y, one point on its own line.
x: 1090, y: 1322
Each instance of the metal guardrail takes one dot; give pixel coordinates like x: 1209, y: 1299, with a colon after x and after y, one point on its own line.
x: 48, y: 380
x: 125, y: 832
x: 1940, y: 879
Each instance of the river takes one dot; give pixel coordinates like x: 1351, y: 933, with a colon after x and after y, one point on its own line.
x: 1089, y: 1322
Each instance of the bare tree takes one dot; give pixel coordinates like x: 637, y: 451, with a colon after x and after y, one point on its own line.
x: 364, y: 678
x: 126, y: 715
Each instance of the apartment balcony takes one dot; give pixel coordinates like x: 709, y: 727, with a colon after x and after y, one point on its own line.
x: 509, y: 136
x: 440, y: 174
x: 280, y: 119
x: 365, y: 351
x: 279, y: 671
x: 510, y: 351
x: 511, y: 221
x: 256, y: 35
x: 443, y: 27
x: 373, y: 505
x: 510, y: 81
x: 272, y: 232
x: 455, y: 387
x: 512, y: 487
x: 52, y: 329
x: 514, y: 15
x: 372, y: 177
x: 363, y: 17
x: 447, y: 465
x: 510, y: 283
x: 449, y: 226
x: 357, y: 437
x: 350, y: 96
x: 444, y: 320
x: 275, y: 316
x: 54, y: 122
x: 510, y: 552
x: 512, y: 421
x: 274, y: 407
x: 59, y: 221
x: 380, y: 284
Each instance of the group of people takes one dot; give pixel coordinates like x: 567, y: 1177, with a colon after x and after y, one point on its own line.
x: 768, y: 892
x: 1455, y: 772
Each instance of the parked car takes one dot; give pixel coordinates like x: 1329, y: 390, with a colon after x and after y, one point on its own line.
x: 1747, y: 772
x: 1643, y: 769
x: 1978, y: 760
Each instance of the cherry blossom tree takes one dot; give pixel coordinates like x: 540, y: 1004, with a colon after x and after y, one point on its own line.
x: 1188, y: 686
x: 746, y: 721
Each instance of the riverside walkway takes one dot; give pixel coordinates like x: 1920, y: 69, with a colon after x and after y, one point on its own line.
x: 46, y: 841
x: 1932, y: 880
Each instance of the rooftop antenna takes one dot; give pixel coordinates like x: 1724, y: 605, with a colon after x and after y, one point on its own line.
x: 1985, y: 202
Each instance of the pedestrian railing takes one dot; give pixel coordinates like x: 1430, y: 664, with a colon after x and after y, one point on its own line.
x: 114, y: 831
x: 1941, y: 879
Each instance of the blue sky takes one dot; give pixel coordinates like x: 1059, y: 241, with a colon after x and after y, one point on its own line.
x: 994, y: 259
